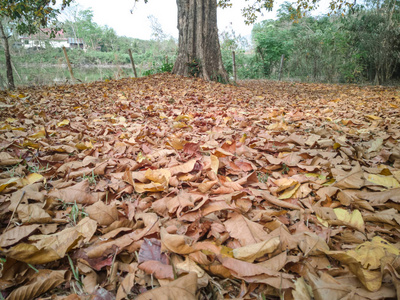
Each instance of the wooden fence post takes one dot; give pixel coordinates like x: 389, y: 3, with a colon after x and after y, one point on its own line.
x: 133, y: 63
x: 281, y: 66
x: 234, y: 65
x: 69, y: 65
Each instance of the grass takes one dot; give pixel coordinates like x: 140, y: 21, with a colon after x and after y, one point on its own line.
x: 76, y: 213
x: 75, y: 272
x: 91, y: 178
x: 262, y: 177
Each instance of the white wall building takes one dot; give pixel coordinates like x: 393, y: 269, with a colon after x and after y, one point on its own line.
x: 42, y: 39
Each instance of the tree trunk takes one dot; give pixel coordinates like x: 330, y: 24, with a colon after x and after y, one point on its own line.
x: 10, y: 78
x: 199, y: 51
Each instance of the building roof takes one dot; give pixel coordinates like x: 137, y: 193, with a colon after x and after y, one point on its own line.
x: 75, y: 41
x: 44, y: 34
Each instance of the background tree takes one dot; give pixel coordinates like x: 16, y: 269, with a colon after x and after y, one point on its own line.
x: 199, y: 52
x: 362, y: 44
x: 28, y: 17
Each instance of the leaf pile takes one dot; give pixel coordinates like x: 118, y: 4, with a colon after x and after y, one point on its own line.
x: 174, y: 188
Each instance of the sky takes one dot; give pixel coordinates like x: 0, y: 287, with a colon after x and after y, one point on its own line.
x: 116, y: 14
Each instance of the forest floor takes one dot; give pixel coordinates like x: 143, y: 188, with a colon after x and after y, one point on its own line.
x: 174, y: 188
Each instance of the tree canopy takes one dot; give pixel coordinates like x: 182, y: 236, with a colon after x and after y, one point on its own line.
x: 30, y: 15
x: 258, y: 6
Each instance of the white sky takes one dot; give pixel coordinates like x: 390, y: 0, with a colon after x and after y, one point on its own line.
x: 116, y: 14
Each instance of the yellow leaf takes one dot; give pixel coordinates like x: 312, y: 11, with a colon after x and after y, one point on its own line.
x: 243, y: 138
x: 214, y: 163
x: 226, y: 251
x: 252, y: 252
x: 183, y: 117
x: 38, y: 135
x: 124, y: 136
x: 336, y: 146
x: 289, y: 192
x: 179, y: 125
x: 396, y: 175
x: 11, y: 181
x: 176, y: 143
x: 63, y: 123
x: 148, y: 187
x: 227, y: 119
x: 32, y: 178
x: 31, y: 144
x: 6, y: 127
x: 323, y: 222
x: 83, y: 146
x: 372, y: 117
x: 315, y: 175
x: 329, y: 182
x: 11, y: 120
x: 185, y: 177
x: 365, y: 261
x: 387, y: 181
x: 108, y: 116
x: 285, y: 183
x: 354, y: 219
x: 140, y: 157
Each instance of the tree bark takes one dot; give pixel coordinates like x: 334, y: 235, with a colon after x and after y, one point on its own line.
x: 199, y: 52
x: 10, y: 77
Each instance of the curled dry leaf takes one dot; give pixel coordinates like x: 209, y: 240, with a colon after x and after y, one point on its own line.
x: 252, y: 252
x: 176, y: 243
x: 78, y: 193
x: 47, y: 248
x: 183, y: 288
x: 246, y: 231
x: 104, y: 214
x: 16, y: 234
x: 290, y: 188
x: 365, y: 261
x: 41, y: 282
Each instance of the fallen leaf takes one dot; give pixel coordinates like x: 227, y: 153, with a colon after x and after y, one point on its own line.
x: 182, y: 288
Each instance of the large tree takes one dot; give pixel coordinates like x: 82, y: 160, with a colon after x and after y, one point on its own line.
x: 27, y: 17
x: 199, y: 52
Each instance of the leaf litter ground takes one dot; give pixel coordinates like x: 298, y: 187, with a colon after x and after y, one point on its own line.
x: 174, y: 188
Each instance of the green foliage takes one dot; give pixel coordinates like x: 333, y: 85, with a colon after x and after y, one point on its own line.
x: 194, y: 67
x: 247, y: 64
x: 358, y: 46
x: 256, y: 7
x: 30, y: 15
x: 165, y: 67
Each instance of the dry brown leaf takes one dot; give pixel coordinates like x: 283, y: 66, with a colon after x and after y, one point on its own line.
x: 104, y: 214
x: 246, y: 231
x: 78, y: 193
x: 40, y: 283
x: 183, y: 288
x: 16, y: 234
x: 48, y: 248
x: 175, y: 243
x: 252, y: 252
x: 158, y: 269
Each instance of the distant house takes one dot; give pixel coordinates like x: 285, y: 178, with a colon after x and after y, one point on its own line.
x: 42, y: 38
